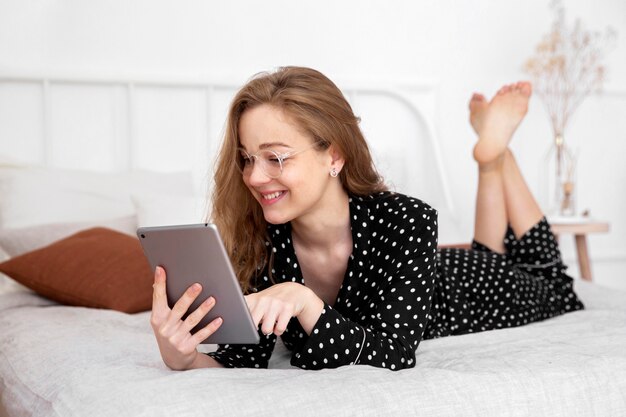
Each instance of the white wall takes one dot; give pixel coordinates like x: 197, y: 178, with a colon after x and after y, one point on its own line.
x: 462, y: 46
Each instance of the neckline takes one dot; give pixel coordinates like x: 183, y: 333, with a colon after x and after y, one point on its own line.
x: 288, y: 260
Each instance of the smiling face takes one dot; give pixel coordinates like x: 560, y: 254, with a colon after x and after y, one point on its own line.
x: 305, y: 186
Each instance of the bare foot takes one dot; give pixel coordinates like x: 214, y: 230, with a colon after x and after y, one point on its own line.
x: 499, y: 120
x: 478, y: 106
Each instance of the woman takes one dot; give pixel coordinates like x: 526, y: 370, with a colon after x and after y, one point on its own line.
x: 343, y: 270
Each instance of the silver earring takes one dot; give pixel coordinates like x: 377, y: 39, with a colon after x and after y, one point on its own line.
x: 333, y: 172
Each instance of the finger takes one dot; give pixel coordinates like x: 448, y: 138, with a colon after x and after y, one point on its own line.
x: 159, y: 296
x: 269, y: 319
x: 255, y: 311
x: 282, y: 322
x: 194, y: 318
x: 183, y: 303
x: 206, y: 331
x: 160, y: 310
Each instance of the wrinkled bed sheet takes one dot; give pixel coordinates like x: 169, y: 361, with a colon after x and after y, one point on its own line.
x: 70, y: 361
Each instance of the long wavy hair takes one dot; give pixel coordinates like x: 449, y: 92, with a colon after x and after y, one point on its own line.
x: 320, y: 109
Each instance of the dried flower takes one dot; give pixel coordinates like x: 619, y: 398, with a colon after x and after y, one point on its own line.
x: 567, y: 66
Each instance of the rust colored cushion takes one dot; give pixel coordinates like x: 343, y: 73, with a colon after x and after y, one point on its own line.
x: 97, y: 267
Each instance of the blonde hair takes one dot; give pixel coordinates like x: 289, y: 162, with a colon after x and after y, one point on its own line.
x: 321, y: 110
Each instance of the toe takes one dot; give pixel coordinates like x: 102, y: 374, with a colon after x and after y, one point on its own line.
x: 477, y: 99
x: 526, y: 88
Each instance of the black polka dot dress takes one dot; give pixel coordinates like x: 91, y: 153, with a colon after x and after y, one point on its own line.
x: 479, y: 289
x: 398, y: 289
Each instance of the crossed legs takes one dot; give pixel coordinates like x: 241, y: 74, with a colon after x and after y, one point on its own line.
x: 503, y: 197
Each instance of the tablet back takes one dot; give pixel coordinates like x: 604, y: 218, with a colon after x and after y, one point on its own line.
x: 195, y: 253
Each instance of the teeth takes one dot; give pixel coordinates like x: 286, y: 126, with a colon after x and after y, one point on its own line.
x: 273, y: 195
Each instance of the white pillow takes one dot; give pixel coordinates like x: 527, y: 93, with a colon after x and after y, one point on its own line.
x: 37, y: 195
x: 163, y: 209
x: 7, y: 284
x: 17, y: 241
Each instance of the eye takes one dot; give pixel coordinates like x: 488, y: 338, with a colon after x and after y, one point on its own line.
x: 246, y: 160
x: 272, y: 158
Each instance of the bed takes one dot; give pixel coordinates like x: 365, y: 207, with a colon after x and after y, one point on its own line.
x: 81, y: 344
x: 72, y: 361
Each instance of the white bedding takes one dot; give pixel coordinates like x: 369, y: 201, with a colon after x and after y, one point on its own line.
x: 70, y: 361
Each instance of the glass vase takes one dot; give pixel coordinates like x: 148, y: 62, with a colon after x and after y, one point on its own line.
x: 558, y: 180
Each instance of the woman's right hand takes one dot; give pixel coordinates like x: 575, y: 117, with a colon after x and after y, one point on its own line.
x: 177, y: 345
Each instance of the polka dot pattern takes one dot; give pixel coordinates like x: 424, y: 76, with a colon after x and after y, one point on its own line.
x: 480, y: 290
x: 381, y: 311
x: 399, y: 289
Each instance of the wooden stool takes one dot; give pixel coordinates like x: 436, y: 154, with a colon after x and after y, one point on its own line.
x: 580, y: 231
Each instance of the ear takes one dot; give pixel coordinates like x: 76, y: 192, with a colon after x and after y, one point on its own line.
x: 337, y: 160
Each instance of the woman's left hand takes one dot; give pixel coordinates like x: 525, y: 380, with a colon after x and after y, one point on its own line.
x: 276, y: 305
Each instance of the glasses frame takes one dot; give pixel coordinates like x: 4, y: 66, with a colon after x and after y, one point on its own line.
x: 281, y: 157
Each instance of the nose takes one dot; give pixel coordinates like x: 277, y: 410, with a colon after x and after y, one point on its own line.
x: 257, y: 175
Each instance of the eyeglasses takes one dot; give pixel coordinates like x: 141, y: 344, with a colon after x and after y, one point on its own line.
x: 271, y: 162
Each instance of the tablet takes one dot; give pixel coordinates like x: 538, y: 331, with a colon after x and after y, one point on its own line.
x: 195, y: 253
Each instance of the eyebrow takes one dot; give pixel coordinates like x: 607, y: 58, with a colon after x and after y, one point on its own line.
x: 268, y: 145
x: 273, y: 144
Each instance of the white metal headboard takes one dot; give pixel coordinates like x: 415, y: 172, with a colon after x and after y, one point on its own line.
x: 117, y: 124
